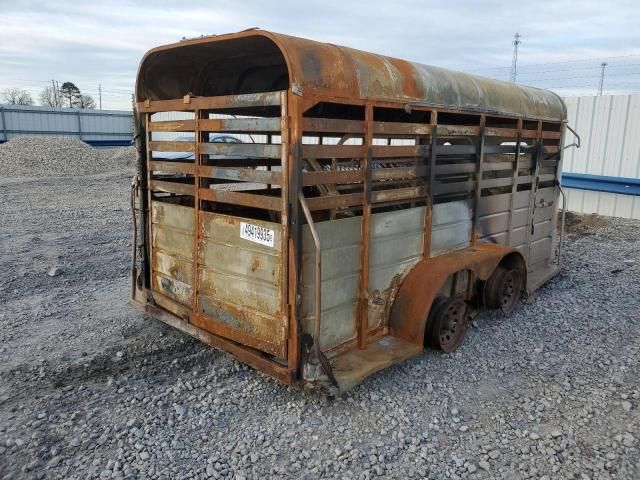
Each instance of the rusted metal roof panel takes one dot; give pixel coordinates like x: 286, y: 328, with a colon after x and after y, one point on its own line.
x: 346, y: 72
x: 429, y: 85
x: 329, y: 70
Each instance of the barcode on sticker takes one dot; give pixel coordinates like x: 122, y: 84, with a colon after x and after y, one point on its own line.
x: 257, y: 234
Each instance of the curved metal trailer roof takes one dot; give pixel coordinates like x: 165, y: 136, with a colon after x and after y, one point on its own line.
x: 258, y: 61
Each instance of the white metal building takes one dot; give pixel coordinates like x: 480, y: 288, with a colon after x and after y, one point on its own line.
x: 96, y: 127
x: 609, y: 126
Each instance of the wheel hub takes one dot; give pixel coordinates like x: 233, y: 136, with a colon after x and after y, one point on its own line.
x: 453, y: 323
x: 510, y: 291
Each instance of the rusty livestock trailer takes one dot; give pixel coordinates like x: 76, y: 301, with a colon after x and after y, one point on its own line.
x: 373, y: 206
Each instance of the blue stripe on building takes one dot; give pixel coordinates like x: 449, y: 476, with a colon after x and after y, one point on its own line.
x: 601, y: 183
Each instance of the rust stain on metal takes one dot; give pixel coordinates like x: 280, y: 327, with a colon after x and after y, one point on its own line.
x: 259, y: 331
x: 407, y: 77
x: 255, y: 264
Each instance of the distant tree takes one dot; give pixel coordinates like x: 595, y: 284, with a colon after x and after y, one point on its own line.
x: 76, y: 99
x: 49, y: 97
x: 70, y: 93
x: 17, y: 96
x: 85, y: 101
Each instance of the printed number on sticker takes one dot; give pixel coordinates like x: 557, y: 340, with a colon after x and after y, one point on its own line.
x: 257, y: 234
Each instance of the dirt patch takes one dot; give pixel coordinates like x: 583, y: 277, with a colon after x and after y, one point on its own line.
x: 584, y: 224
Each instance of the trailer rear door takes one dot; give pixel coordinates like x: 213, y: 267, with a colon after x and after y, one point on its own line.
x: 217, y: 231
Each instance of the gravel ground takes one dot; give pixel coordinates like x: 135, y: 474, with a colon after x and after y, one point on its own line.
x: 92, y: 389
x: 59, y: 156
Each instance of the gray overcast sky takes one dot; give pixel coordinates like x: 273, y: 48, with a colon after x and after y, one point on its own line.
x: 92, y: 42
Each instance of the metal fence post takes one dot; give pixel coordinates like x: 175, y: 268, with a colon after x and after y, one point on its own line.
x: 79, y: 125
x: 4, y: 123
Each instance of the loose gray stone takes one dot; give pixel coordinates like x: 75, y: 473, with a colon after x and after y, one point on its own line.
x: 169, y: 406
x: 55, y: 271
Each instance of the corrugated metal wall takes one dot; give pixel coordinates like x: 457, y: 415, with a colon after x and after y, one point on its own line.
x: 97, y: 127
x: 609, y: 126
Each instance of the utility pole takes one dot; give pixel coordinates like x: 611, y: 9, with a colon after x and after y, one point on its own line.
x: 100, y: 95
x: 602, y: 65
x: 514, y: 62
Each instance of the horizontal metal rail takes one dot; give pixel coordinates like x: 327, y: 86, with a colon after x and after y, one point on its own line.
x: 67, y: 133
x: 100, y: 143
x: 263, y: 202
x: 68, y: 111
x: 177, y: 188
x: 601, y: 183
x: 250, y: 125
x: 187, y: 103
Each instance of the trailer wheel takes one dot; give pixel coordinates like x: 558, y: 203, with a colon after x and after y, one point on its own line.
x: 447, y: 324
x: 503, y: 289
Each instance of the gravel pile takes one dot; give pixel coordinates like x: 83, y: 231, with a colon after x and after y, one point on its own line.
x: 41, y: 156
x: 92, y: 389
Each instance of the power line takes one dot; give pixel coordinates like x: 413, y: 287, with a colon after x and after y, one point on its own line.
x: 609, y: 85
x: 573, y: 77
x: 560, y: 63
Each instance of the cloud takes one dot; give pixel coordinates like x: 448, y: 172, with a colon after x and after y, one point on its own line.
x: 96, y: 42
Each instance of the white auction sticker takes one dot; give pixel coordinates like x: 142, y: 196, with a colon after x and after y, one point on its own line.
x: 257, y: 234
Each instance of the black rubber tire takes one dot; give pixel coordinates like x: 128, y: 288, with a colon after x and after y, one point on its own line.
x: 447, y: 324
x: 430, y: 336
x: 503, y: 289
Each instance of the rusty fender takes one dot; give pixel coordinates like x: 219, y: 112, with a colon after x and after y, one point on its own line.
x: 421, y: 285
